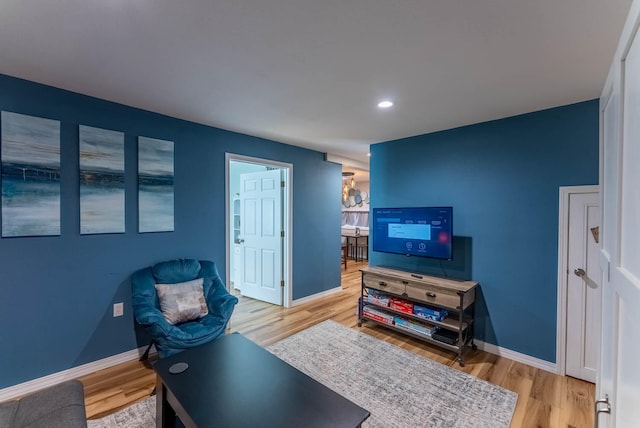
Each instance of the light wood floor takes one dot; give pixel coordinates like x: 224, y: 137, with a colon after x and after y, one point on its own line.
x: 544, y: 399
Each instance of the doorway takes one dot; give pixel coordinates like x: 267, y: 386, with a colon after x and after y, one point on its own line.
x: 579, y: 283
x: 259, y: 261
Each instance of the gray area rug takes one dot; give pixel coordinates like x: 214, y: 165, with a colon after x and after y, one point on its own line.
x: 398, y: 388
x: 139, y: 415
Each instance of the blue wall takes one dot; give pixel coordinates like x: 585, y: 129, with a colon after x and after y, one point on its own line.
x: 502, y: 179
x: 56, y: 293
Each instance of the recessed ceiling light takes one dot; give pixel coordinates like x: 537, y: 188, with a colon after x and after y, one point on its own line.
x: 385, y: 104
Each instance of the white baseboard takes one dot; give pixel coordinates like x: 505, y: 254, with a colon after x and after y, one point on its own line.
x: 72, y: 373
x: 517, y: 356
x: 316, y: 296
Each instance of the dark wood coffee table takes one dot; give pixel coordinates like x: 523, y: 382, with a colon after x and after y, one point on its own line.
x: 234, y: 383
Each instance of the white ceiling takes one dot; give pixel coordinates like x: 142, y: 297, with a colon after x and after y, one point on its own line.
x: 310, y: 72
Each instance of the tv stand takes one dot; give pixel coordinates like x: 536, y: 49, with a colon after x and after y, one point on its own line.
x: 436, y: 310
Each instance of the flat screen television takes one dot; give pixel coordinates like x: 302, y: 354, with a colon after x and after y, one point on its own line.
x: 417, y: 231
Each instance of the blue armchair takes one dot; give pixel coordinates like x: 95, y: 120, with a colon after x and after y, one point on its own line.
x: 171, y: 339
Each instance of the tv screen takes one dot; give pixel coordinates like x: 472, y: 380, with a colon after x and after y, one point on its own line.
x: 423, y: 232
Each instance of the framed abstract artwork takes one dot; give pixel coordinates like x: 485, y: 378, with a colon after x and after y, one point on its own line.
x: 155, y: 185
x: 101, y: 181
x: 30, y: 175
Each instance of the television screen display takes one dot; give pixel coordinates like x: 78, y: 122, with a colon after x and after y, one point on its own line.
x: 423, y: 231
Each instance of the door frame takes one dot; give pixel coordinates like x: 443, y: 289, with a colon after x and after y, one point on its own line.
x: 563, y: 269
x: 287, y: 215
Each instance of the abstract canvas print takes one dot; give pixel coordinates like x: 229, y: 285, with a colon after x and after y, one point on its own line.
x: 155, y: 185
x: 101, y: 180
x: 30, y: 175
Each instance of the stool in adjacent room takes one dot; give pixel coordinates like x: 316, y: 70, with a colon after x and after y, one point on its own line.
x: 362, y: 248
x: 344, y: 255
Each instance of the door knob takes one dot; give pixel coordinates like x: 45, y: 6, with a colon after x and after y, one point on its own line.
x: 579, y: 272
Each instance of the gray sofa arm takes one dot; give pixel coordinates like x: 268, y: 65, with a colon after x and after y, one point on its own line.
x: 60, y: 405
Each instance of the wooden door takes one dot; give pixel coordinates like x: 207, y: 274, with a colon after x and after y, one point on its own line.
x: 617, y: 386
x: 584, y: 293
x: 261, y: 236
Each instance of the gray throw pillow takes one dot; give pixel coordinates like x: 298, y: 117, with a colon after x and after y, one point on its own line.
x: 183, y: 301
